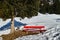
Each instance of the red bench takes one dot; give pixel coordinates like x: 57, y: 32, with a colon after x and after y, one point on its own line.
x: 35, y: 28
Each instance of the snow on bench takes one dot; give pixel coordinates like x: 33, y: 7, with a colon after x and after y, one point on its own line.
x: 35, y: 28
x: 0, y: 38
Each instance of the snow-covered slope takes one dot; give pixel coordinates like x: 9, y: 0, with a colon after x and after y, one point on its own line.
x: 51, y: 34
x: 4, y: 32
x: 48, y: 20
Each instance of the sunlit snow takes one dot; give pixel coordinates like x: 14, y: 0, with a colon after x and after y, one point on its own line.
x: 50, y: 22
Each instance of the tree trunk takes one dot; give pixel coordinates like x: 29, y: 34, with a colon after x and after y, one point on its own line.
x: 12, y: 23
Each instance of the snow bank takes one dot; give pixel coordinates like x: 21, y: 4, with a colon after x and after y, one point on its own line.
x: 53, y: 34
x: 48, y: 20
x: 4, y: 32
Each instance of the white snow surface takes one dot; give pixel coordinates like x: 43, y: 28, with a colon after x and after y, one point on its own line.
x: 51, y: 34
x: 48, y: 20
x: 4, y: 32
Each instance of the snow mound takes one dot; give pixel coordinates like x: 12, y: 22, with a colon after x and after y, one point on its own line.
x: 48, y: 20
x: 53, y: 34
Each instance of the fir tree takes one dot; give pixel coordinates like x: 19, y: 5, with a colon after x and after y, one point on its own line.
x: 19, y: 8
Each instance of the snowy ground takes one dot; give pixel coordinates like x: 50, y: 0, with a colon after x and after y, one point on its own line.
x: 50, y: 21
x: 51, y: 24
x: 51, y: 34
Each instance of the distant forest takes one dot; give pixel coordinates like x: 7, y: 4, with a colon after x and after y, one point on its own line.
x: 30, y: 6
x: 50, y: 6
